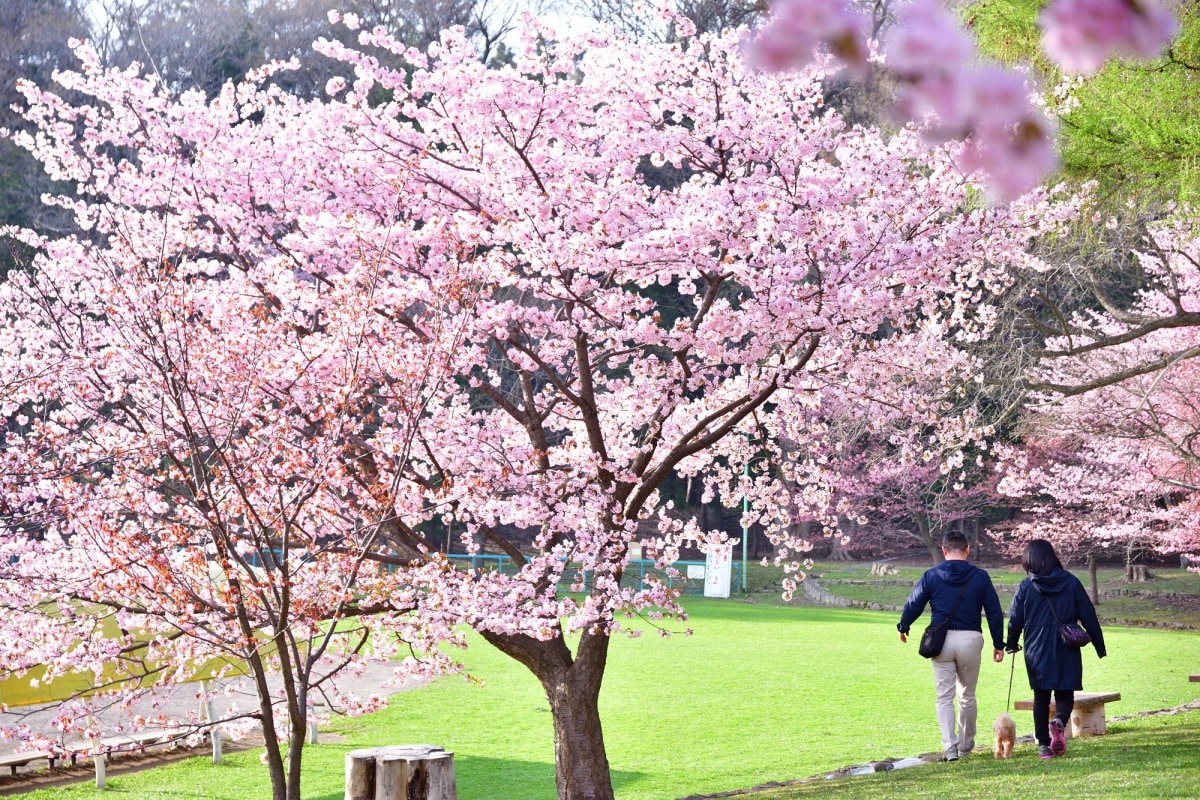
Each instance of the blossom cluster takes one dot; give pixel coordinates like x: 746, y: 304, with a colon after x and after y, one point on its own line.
x: 949, y: 89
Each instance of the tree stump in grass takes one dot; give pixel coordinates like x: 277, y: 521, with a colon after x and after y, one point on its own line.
x: 1137, y: 573
x: 401, y: 772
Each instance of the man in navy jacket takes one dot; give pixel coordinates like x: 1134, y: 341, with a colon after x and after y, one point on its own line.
x: 958, y: 591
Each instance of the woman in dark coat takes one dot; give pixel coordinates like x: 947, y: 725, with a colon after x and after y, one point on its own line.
x: 1052, y: 666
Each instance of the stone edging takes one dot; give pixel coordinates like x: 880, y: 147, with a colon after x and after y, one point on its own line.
x: 817, y: 593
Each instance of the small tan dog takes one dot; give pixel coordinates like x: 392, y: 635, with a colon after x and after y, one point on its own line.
x: 1006, y: 734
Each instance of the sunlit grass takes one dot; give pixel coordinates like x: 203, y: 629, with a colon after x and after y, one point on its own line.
x: 759, y: 693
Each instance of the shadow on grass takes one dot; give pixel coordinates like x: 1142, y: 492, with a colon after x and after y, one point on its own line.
x: 489, y: 778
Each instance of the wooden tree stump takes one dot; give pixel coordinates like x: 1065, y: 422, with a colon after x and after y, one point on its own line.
x: 400, y: 772
x: 1137, y: 573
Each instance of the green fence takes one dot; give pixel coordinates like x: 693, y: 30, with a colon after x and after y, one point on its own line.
x: 638, y: 569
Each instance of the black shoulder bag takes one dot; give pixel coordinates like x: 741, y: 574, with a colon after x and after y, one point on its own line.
x: 1070, y: 635
x: 934, y: 637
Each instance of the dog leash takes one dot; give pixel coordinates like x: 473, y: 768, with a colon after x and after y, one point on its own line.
x: 1012, y: 668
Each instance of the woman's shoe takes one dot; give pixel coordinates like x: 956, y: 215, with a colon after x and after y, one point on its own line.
x: 1058, y: 737
x: 1044, y: 751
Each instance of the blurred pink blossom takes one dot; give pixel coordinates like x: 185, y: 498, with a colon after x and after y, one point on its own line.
x: 1080, y: 35
x: 927, y: 40
x: 797, y: 27
x: 945, y: 88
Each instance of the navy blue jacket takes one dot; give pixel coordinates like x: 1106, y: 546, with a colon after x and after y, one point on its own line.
x: 1049, y: 663
x: 940, y: 586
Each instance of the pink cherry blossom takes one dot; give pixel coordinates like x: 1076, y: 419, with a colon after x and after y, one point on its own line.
x: 942, y: 77
x: 798, y: 27
x: 1080, y: 35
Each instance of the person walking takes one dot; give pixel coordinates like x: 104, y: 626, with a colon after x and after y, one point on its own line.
x: 1048, y: 596
x: 958, y: 591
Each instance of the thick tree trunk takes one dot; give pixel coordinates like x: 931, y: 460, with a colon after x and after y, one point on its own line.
x: 580, y: 762
x: 572, y: 686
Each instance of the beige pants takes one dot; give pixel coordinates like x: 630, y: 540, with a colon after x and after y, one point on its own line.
x: 956, y: 671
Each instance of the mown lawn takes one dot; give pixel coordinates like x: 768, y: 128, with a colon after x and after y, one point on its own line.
x: 759, y: 693
x: 1172, y: 598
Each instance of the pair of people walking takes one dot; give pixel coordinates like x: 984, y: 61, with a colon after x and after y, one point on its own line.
x: 960, y: 592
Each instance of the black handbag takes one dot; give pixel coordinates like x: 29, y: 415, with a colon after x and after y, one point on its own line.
x: 934, y: 637
x: 1070, y: 635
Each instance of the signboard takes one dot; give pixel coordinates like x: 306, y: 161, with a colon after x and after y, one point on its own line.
x: 695, y: 572
x: 718, y: 571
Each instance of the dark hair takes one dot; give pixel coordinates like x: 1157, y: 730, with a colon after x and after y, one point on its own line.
x: 955, y: 542
x: 1040, y: 558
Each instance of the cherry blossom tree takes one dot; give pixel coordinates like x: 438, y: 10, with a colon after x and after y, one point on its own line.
x: 892, y: 485
x: 185, y: 407
x: 1095, y: 494
x: 906, y: 504
x: 311, y: 330
x: 1118, y: 378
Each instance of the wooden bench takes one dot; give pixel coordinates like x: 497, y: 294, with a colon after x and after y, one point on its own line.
x: 1194, y: 678
x: 1087, y: 717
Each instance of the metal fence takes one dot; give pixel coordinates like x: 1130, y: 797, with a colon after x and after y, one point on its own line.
x: 689, y: 581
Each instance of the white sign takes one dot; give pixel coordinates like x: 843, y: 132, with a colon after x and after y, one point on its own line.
x: 695, y: 572
x: 718, y: 572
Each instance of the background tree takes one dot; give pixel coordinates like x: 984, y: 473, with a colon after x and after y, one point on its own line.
x: 36, y: 34
x: 1096, y: 496
x: 200, y: 44
x: 641, y: 20
x: 893, y: 487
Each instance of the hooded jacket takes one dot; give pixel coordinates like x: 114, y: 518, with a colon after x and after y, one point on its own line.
x: 940, y: 586
x: 1049, y: 663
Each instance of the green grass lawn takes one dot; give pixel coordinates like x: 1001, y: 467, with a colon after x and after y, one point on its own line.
x: 1141, y: 759
x: 1172, y: 598
x: 759, y: 693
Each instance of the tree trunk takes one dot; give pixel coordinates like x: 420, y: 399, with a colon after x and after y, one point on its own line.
x: 970, y: 529
x: 837, y: 550
x: 572, y: 686
x: 1093, y: 577
x: 279, y: 782
x: 929, y: 539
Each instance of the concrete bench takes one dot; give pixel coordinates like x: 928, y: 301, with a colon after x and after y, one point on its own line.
x: 1087, y: 717
x: 14, y: 760
x: 135, y: 742
x: 125, y: 743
